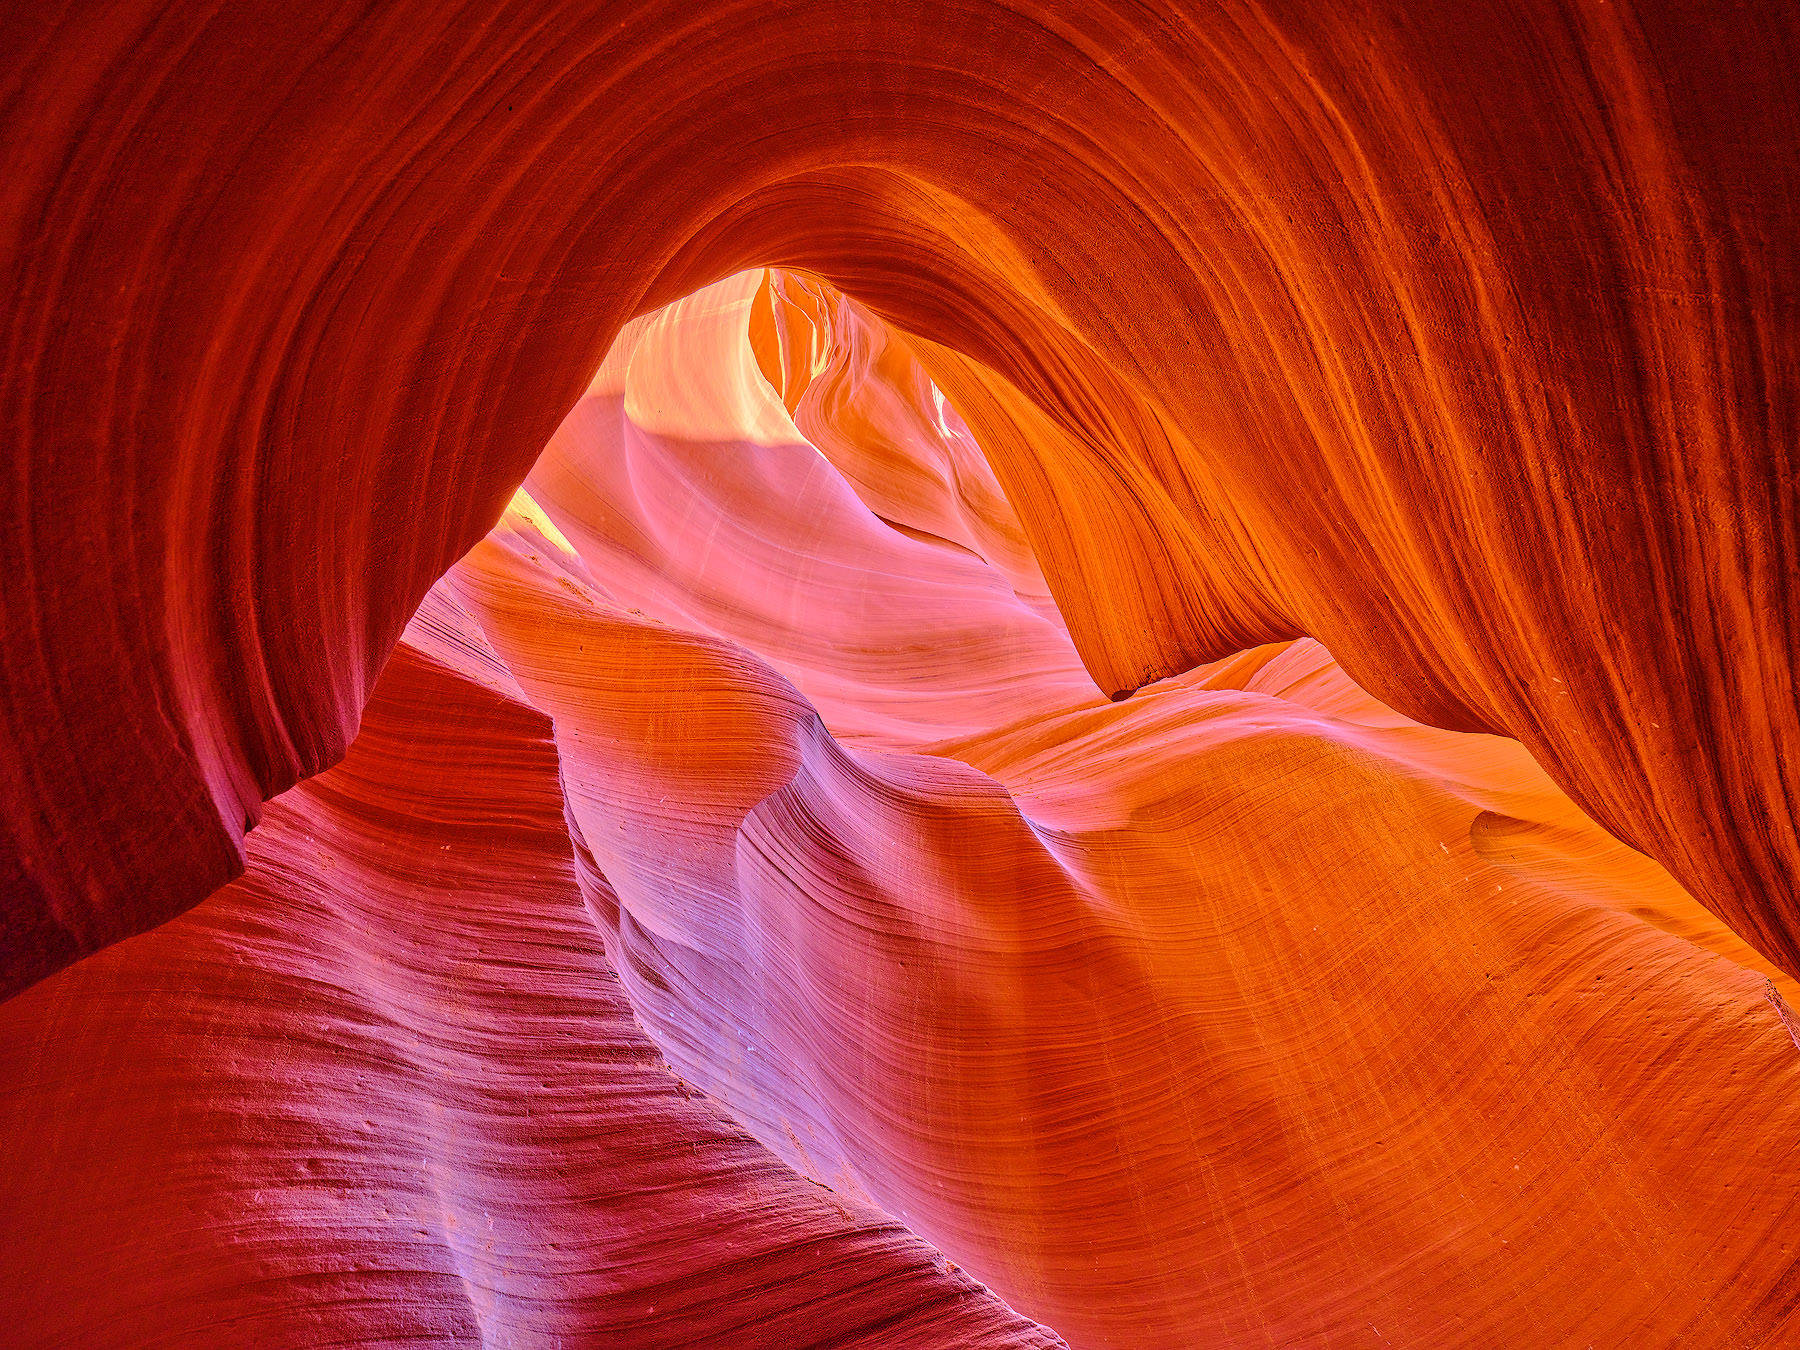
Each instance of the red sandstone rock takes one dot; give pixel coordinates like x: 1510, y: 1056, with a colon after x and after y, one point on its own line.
x: 1454, y: 338
x: 1244, y: 1011
x: 1269, y: 1006
x: 386, y: 1088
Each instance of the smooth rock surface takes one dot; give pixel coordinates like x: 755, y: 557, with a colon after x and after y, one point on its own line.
x: 738, y: 879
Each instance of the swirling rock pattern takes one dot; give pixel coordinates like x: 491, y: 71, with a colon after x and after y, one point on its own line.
x: 386, y: 1089
x: 908, y: 683
x: 1246, y: 1011
x: 1240, y: 995
x: 1457, y: 340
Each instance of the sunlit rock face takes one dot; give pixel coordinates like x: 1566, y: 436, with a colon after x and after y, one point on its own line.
x: 1150, y: 699
x: 743, y: 920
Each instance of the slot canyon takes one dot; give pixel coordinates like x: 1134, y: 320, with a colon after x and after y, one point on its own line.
x: 948, y: 674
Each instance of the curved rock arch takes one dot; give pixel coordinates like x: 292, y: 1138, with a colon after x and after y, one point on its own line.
x: 1478, y: 316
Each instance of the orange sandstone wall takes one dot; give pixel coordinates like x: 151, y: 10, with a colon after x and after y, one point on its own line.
x: 1158, y: 714
x: 385, y: 1089
x: 1456, y: 337
x: 739, y: 815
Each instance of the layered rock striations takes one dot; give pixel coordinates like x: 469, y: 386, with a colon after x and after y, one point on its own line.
x: 386, y: 1089
x: 967, y: 675
x: 1457, y: 340
x: 738, y: 878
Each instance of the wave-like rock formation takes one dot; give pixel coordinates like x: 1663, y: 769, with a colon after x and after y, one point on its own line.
x: 738, y: 874
x: 385, y: 1089
x: 1148, y: 702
